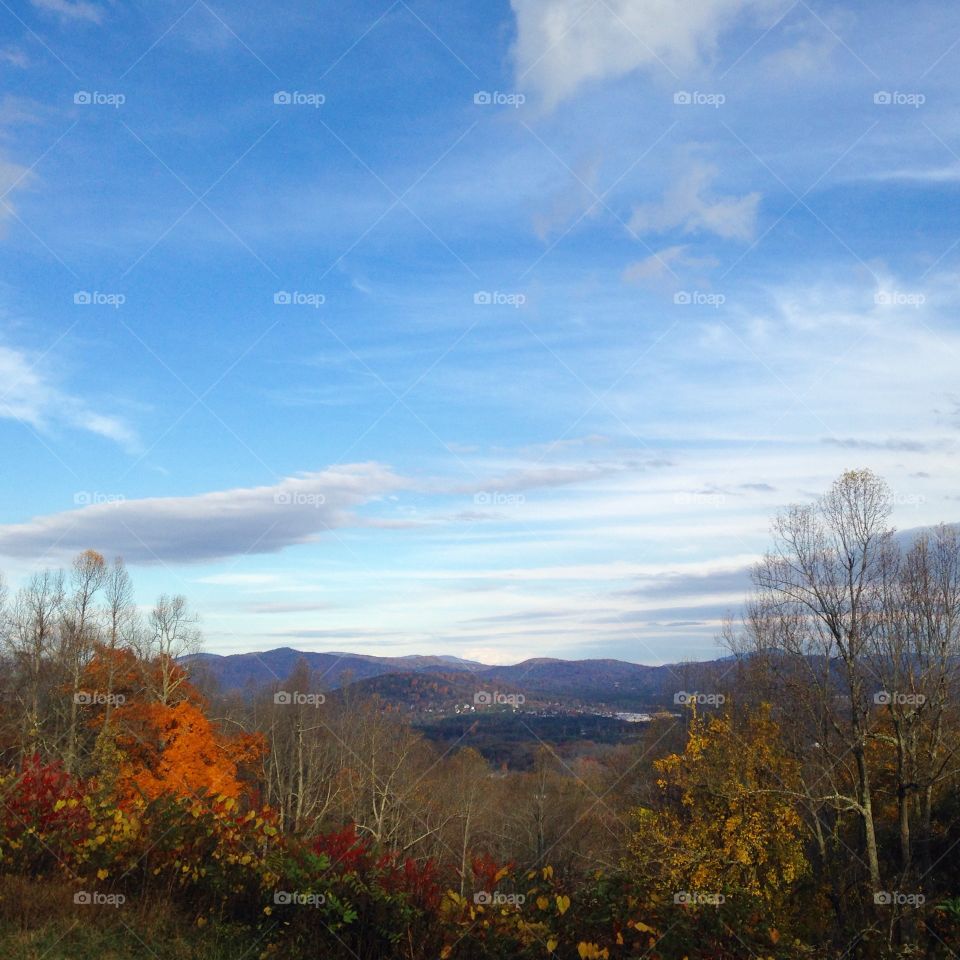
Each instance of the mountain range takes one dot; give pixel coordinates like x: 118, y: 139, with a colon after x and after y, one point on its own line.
x: 417, y: 678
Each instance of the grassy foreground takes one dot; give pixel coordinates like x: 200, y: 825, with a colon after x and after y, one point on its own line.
x: 39, y: 921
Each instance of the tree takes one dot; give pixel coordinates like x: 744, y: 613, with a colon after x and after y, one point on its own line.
x: 726, y: 817
x: 30, y: 639
x: 78, y: 633
x: 816, y: 613
x: 175, y: 749
x: 172, y: 633
x: 917, y: 656
x: 121, y: 624
x: 301, y: 769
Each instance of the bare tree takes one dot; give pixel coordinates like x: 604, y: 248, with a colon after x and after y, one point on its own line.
x: 302, y: 767
x: 30, y: 640
x: 172, y: 632
x: 917, y: 660
x: 122, y: 623
x: 78, y: 633
x: 818, y: 607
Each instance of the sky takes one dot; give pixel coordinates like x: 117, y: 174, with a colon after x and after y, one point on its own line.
x: 494, y: 330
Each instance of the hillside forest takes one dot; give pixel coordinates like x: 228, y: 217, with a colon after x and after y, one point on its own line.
x: 804, y: 802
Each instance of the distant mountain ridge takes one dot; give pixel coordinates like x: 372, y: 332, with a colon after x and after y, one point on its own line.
x: 540, y: 678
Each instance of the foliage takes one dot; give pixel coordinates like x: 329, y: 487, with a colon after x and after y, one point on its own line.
x: 726, y: 836
x: 725, y: 822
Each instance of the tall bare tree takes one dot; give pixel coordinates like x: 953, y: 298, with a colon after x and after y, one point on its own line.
x: 30, y: 639
x: 818, y: 609
x: 172, y: 632
x: 917, y: 659
x: 78, y: 634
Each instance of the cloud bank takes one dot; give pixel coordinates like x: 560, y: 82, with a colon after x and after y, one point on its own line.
x: 208, y: 526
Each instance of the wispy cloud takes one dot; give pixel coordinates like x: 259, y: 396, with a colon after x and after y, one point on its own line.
x: 689, y: 206
x: 573, y: 202
x: 541, y: 477
x: 15, y: 57
x: 677, y: 584
x: 932, y: 175
x: 71, y: 10
x: 13, y: 177
x: 280, y: 607
x: 894, y: 444
x: 664, y: 263
x: 28, y: 394
x: 563, y: 44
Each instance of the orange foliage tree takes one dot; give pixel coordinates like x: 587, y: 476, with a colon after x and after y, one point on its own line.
x: 165, y: 748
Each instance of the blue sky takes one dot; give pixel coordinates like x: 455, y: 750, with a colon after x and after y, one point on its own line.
x: 491, y: 330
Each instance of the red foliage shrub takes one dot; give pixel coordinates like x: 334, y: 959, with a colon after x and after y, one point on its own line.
x: 351, y: 853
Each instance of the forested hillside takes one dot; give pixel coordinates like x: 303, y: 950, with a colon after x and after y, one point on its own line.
x: 806, y: 805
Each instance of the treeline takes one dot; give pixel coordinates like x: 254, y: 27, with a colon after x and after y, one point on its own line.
x: 805, y: 805
x: 854, y: 635
x: 63, y: 631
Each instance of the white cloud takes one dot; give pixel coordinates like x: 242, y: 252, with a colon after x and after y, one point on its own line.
x: 240, y: 579
x: 544, y: 476
x: 943, y: 174
x: 208, y: 526
x: 14, y: 111
x: 813, y: 44
x: 687, y: 206
x: 15, y: 57
x: 663, y: 262
x: 575, y: 201
x: 12, y: 177
x: 71, y: 9
x: 28, y: 395
x: 562, y: 44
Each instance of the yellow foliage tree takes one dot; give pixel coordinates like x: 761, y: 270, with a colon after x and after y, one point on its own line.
x: 725, y: 820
